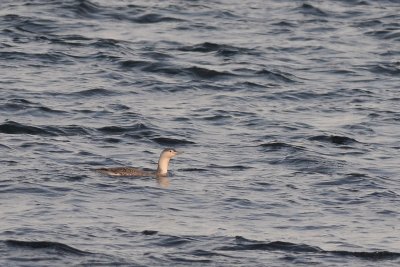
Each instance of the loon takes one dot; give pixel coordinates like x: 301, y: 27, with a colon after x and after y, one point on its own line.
x: 162, y: 169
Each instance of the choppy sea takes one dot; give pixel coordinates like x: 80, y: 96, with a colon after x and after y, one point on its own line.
x: 288, y: 113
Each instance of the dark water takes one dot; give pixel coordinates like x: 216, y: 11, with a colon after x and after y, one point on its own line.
x: 288, y: 113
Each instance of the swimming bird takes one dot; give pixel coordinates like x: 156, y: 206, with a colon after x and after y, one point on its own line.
x: 162, y: 169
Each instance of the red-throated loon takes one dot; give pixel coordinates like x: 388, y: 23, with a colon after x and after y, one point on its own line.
x: 162, y: 169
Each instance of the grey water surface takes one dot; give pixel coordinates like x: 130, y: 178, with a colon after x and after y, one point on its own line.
x: 288, y: 113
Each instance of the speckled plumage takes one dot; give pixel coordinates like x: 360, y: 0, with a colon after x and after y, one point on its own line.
x: 126, y: 171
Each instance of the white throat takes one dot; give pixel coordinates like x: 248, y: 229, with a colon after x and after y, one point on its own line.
x: 163, y: 165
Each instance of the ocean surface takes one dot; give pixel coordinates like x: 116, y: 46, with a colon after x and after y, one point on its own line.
x: 288, y: 113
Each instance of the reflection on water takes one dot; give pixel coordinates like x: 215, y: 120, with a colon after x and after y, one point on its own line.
x: 289, y: 111
x: 163, y: 181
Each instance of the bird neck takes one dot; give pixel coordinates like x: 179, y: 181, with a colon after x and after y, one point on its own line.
x: 163, y: 166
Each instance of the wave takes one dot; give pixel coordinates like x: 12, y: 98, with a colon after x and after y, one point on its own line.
x: 276, y: 145
x: 44, y: 58
x: 334, y: 139
x: 154, y: 18
x: 193, y: 170
x: 391, y: 69
x: 12, y: 127
x: 196, y: 249
x: 386, y: 34
x: 24, y: 106
x: 171, y: 141
x: 232, y: 167
x: 308, y: 9
x: 129, y: 64
x: 278, y: 76
x: 87, y: 9
x: 132, y: 13
x: 171, y: 69
x: 206, y: 73
x: 49, y: 253
x: 138, y: 130
x: 246, y: 244
x: 93, y: 92
x: 55, y: 246
x: 205, y: 246
x: 110, y: 130
x: 149, y: 232
x: 348, y: 179
x: 219, y: 49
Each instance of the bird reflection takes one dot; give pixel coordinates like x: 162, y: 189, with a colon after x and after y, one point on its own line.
x: 163, y: 181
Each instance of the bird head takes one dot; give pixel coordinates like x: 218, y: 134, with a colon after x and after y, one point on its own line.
x: 170, y: 153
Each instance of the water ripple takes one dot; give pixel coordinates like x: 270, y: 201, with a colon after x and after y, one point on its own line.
x: 287, y: 111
